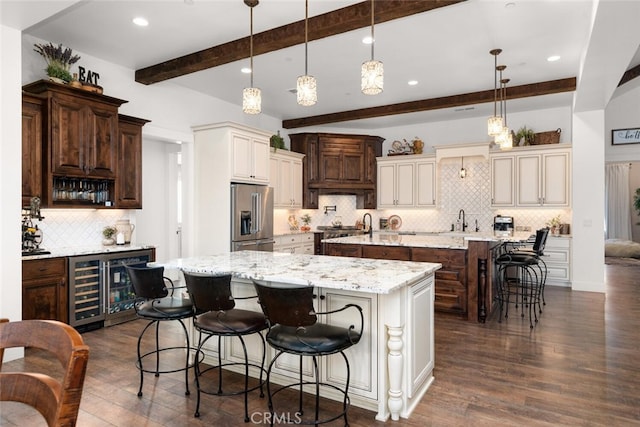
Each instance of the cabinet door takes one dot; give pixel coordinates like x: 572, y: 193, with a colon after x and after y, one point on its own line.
x: 241, y: 167
x: 102, y: 141
x: 260, y: 160
x: 405, y: 178
x: 556, y: 179
x: 502, y: 181
x: 44, y: 290
x: 130, y: 167
x: 68, y: 127
x: 296, y: 183
x: 386, y: 185
x: 362, y: 357
x: 425, y: 183
x: 529, y: 178
x: 31, y: 150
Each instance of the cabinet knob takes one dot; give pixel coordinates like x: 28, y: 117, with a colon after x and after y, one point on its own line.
x: 322, y: 297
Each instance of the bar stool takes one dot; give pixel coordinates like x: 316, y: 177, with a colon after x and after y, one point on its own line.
x: 521, y: 278
x: 216, y: 316
x: 157, y: 303
x: 293, y: 329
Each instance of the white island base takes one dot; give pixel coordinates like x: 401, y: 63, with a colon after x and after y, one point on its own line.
x: 391, y: 366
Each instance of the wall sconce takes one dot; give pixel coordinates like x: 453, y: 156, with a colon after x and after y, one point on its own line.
x: 463, y: 171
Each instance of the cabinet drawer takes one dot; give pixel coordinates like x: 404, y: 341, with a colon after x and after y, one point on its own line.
x: 556, y: 256
x: 446, y: 257
x: 387, y: 252
x: 293, y: 239
x: 337, y: 249
x: 39, y: 268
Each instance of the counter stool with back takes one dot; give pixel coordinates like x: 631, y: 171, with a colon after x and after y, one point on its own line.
x: 294, y: 329
x: 522, y: 273
x: 157, y: 303
x: 217, y: 316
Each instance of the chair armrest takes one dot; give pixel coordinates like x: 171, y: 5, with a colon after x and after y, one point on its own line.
x: 346, y: 307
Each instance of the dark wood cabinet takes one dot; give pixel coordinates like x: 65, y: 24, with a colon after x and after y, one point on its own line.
x: 398, y: 253
x: 335, y: 249
x: 31, y: 148
x: 451, y: 285
x: 450, y: 280
x: 83, y: 137
x: 129, y: 184
x: 44, y: 289
x: 90, y: 156
x: 338, y: 164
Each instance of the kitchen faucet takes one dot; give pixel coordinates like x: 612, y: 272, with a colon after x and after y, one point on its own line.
x: 464, y: 222
x: 364, y: 223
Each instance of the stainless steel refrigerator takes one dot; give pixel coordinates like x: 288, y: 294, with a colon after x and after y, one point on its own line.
x: 251, y: 218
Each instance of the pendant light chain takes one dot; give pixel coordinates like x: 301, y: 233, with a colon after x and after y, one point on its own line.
x: 306, y: 37
x: 251, y: 45
x: 251, y: 96
x: 372, y: 71
x: 372, y: 28
x: 306, y: 86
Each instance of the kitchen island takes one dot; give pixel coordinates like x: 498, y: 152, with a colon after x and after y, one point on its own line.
x: 391, y: 366
x: 464, y: 284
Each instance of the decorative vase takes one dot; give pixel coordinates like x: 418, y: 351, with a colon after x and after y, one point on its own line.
x: 56, y: 80
x: 108, y: 241
x: 305, y: 228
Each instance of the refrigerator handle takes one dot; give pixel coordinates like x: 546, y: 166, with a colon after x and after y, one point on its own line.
x: 104, y: 285
x: 258, y: 212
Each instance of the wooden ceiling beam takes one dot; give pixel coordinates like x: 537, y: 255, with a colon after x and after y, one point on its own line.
x: 514, y: 92
x: 629, y: 75
x: 329, y: 24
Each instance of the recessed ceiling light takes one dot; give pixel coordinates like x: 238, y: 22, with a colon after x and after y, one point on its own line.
x: 412, y: 82
x: 510, y: 4
x: 553, y: 58
x: 140, y: 21
x: 367, y: 40
x: 246, y: 70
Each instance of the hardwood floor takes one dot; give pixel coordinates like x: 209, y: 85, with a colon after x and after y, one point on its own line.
x: 578, y: 366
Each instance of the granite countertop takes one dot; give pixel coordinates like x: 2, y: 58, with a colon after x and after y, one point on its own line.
x: 352, y: 274
x: 86, y: 250
x: 448, y: 240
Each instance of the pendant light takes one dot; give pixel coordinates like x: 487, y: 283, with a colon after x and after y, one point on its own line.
x: 494, y: 124
x: 251, y: 96
x: 306, y: 87
x: 504, y: 139
x: 372, y: 72
x: 463, y: 171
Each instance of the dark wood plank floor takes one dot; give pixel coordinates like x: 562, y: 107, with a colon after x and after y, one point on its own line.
x: 578, y: 367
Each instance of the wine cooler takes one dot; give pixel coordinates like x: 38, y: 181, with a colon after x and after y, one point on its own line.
x: 100, y: 291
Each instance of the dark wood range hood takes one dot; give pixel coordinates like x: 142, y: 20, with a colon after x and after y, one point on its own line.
x: 338, y: 164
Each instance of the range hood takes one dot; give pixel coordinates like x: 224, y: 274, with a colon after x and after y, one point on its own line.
x: 462, y: 150
x: 338, y: 164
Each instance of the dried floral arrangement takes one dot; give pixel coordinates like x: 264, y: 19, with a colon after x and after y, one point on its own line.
x: 59, y: 59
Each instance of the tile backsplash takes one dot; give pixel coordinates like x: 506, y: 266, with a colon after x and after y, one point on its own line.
x: 473, y: 194
x: 62, y: 228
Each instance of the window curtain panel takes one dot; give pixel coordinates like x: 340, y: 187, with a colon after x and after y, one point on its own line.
x: 617, y: 215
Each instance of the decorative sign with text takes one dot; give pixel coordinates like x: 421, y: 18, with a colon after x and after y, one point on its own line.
x: 88, y: 76
x: 625, y: 136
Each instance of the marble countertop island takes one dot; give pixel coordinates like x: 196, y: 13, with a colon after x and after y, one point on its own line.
x: 352, y: 274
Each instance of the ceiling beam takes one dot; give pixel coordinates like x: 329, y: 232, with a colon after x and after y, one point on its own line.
x: 630, y: 74
x: 329, y: 24
x: 514, y: 92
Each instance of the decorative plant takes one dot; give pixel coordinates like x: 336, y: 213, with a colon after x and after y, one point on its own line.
x: 527, y: 133
x: 277, y: 141
x: 554, y: 222
x: 306, y: 219
x: 109, y: 231
x: 58, y: 59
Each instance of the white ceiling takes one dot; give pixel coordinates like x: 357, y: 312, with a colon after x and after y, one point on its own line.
x: 446, y: 50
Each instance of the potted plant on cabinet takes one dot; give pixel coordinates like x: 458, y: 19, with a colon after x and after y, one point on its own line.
x: 277, y: 142
x: 58, y: 59
x: 524, y: 136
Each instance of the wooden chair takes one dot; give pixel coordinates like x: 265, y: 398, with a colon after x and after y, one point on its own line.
x: 58, y: 402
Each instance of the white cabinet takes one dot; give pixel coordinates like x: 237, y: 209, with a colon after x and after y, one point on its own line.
x: 557, y: 257
x: 503, y: 172
x: 301, y: 243
x: 250, y: 158
x: 286, y: 179
x: 222, y: 153
x: 406, y: 183
x: 531, y: 177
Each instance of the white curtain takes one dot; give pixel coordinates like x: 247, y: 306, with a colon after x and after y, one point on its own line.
x: 617, y: 215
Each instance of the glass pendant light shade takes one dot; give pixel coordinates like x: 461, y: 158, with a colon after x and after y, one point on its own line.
x: 251, y: 100
x: 306, y: 88
x: 372, y: 77
x: 505, y: 139
x: 494, y: 125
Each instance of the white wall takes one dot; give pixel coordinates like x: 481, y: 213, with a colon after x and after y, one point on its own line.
x: 10, y: 182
